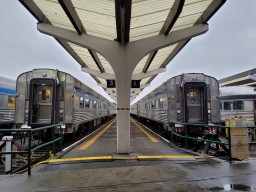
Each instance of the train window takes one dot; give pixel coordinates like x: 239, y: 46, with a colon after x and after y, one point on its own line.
x: 46, y: 93
x: 94, y: 106
x: 153, y: 104
x: 11, y: 102
x: 227, y: 105
x: 157, y: 104
x: 99, y: 105
x: 238, y: 105
x: 220, y: 105
x: 161, y: 103
x: 87, y: 103
x: 2, y: 100
x: 81, y: 102
x: 76, y: 100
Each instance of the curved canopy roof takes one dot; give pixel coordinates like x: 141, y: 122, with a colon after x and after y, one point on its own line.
x: 246, y: 78
x: 123, y: 21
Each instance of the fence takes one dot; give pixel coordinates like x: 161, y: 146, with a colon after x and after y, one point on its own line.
x: 30, y: 132
x: 228, y: 128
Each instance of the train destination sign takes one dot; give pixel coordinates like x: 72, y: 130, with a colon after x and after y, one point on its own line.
x: 239, y: 143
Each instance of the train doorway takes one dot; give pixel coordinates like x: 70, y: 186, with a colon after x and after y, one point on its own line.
x: 195, y: 103
x: 42, y: 102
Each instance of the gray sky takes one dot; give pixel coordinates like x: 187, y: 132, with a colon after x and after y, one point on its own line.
x: 228, y: 48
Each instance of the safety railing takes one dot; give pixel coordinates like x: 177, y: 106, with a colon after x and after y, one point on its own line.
x: 187, y: 137
x: 29, y: 133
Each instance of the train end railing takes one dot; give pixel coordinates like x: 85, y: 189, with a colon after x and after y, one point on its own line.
x: 238, y: 138
x: 30, y: 149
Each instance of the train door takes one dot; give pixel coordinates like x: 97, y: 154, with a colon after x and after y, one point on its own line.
x: 42, y: 102
x: 195, y: 96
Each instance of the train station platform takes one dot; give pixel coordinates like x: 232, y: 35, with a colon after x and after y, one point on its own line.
x: 153, y: 165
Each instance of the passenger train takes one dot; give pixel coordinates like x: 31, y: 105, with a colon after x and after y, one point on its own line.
x: 239, y: 101
x: 48, y: 96
x: 7, y: 102
x: 187, y: 98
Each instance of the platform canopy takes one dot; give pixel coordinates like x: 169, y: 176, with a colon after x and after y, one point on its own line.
x: 247, y: 78
x: 123, y: 21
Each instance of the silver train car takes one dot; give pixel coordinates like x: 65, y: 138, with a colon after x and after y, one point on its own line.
x: 239, y: 101
x: 187, y: 98
x: 47, y: 97
x: 7, y: 102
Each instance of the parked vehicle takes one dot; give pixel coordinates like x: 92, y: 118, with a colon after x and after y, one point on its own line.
x: 7, y: 102
x: 48, y: 96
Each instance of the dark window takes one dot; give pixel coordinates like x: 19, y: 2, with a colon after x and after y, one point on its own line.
x: 87, y: 103
x: 161, y: 103
x: 227, y: 105
x: 94, y: 105
x: 153, y: 104
x: 238, y: 105
x: 81, y: 102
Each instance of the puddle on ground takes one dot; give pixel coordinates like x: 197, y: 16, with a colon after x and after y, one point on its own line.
x: 232, y: 187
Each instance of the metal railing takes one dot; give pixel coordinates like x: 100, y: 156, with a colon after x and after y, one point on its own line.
x: 187, y: 137
x: 31, y: 149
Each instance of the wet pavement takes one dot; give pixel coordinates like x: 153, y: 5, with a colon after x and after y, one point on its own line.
x: 134, y: 174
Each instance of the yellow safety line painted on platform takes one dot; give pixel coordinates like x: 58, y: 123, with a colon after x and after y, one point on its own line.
x: 80, y: 159
x: 173, y: 157
x: 153, y: 139
x: 91, y: 141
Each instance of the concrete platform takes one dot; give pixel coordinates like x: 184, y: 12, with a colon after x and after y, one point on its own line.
x: 152, y: 166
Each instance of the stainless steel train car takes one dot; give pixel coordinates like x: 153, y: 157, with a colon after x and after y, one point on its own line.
x: 7, y: 102
x: 48, y: 96
x: 239, y: 101
x: 187, y: 98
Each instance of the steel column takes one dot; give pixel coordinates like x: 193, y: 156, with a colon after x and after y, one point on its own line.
x: 123, y: 58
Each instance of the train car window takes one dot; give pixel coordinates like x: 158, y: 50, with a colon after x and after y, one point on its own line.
x: 220, y: 105
x: 91, y: 104
x: 161, y: 103
x: 11, y: 102
x: 157, y: 104
x: 94, y: 105
x: 238, y: 105
x: 2, y: 100
x: 81, y: 102
x: 153, y: 104
x: 76, y: 100
x: 87, y: 103
x: 46, y: 93
x: 227, y: 105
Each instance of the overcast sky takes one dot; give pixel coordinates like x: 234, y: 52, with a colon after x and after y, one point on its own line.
x: 228, y: 48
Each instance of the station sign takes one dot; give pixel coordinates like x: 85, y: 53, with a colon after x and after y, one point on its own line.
x: 111, y: 83
x: 135, y: 84
x: 239, y: 143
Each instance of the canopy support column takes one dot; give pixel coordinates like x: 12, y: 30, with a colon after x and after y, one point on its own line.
x: 123, y: 58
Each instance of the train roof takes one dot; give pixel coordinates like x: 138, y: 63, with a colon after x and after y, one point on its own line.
x: 237, y: 90
x: 7, y: 86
